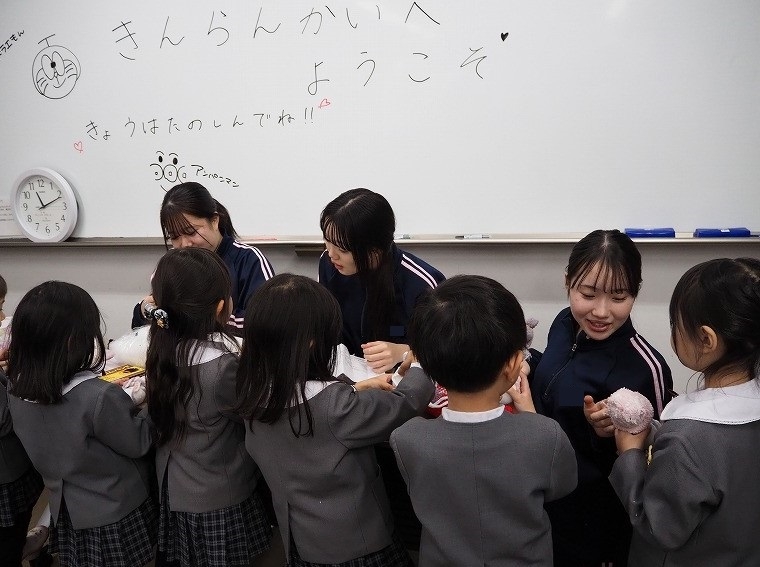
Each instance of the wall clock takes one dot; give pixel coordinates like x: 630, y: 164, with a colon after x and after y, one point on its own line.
x: 44, y: 205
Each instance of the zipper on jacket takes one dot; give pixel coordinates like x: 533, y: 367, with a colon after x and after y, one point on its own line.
x: 553, y: 379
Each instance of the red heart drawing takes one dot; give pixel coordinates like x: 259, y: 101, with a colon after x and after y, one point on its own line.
x: 78, y: 146
x: 324, y: 103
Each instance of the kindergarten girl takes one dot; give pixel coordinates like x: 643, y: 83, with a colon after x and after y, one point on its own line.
x: 698, y: 502
x: 191, y: 218
x: 81, y: 433
x: 210, y: 512
x: 375, y: 282
x: 313, y: 434
x: 593, y: 350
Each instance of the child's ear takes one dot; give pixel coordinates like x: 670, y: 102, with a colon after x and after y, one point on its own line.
x: 511, y: 368
x: 220, y: 307
x: 708, y: 340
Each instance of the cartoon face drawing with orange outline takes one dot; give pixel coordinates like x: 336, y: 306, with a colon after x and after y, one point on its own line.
x: 55, y: 71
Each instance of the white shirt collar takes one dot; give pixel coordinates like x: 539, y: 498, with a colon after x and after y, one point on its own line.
x: 471, y: 416
x: 731, y: 405
x: 77, y: 379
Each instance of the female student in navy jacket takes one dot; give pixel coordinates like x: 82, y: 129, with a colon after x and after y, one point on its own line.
x: 375, y: 282
x: 191, y: 217
x: 592, y: 351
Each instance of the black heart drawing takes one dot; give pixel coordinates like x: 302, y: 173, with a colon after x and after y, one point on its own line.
x: 504, y: 36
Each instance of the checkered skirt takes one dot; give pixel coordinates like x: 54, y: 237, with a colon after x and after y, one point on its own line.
x: 395, y: 555
x: 126, y: 543
x: 229, y: 536
x: 19, y: 496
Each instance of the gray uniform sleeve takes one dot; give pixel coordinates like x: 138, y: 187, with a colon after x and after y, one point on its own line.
x: 564, y: 470
x: 358, y: 419
x: 667, y: 500
x: 116, y: 426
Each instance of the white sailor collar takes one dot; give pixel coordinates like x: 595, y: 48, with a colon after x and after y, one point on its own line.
x: 731, y: 405
x: 217, y: 345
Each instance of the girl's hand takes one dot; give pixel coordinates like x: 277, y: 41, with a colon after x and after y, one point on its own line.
x: 596, y: 415
x: 520, y: 391
x: 381, y: 382
x: 625, y: 440
x: 382, y: 356
x: 4, y: 359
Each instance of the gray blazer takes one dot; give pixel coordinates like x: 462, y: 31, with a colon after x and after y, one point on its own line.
x: 13, y: 459
x: 698, y: 503
x: 479, y: 488
x: 327, y: 489
x: 210, y: 469
x: 88, y: 449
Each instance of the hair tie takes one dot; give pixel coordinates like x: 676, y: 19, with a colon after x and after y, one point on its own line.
x: 161, y: 316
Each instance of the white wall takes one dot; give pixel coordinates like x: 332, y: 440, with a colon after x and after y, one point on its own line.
x: 117, y: 276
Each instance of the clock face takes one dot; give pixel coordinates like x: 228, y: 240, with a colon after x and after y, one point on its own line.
x: 45, y: 206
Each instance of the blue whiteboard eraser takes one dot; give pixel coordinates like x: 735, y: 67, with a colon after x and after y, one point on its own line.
x: 735, y: 232
x: 665, y: 232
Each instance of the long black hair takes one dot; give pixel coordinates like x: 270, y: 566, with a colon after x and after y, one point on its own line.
x: 292, y: 329
x: 362, y: 222
x: 188, y: 285
x: 56, y: 334
x: 193, y: 199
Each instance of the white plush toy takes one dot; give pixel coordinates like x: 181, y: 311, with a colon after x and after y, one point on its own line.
x: 131, y: 348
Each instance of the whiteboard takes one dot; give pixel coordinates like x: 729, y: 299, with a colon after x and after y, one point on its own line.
x: 498, y: 116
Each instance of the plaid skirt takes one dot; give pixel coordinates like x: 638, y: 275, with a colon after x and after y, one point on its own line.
x: 395, y: 555
x: 19, y: 496
x: 229, y: 536
x: 126, y: 543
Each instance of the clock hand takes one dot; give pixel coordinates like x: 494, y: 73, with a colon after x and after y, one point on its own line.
x: 53, y: 201
x: 40, y: 200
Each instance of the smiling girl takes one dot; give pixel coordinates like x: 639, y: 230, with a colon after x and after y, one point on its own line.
x: 191, y: 217
x: 592, y: 351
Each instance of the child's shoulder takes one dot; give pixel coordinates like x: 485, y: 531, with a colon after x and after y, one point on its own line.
x: 418, y: 427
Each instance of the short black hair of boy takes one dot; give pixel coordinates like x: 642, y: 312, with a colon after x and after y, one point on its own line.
x: 465, y: 330
x: 3, y: 288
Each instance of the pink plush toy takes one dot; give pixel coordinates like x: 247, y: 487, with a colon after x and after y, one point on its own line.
x: 630, y: 411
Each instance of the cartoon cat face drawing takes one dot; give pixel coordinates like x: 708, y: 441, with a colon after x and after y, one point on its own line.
x: 55, y: 71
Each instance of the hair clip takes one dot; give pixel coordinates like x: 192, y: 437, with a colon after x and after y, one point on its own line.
x: 161, y: 316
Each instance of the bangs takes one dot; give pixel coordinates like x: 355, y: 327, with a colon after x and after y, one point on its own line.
x: 175, y: 224
x: 337, y: 237
x: 609, y: 278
